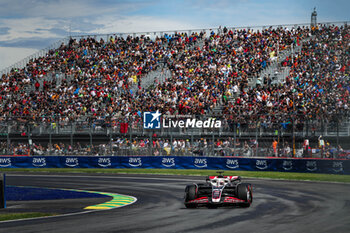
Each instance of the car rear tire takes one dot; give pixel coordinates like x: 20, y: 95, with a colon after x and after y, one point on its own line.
x: 244, y: 192
x: 190, y: 194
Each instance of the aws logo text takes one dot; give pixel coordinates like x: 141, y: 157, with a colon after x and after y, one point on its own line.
x: 200, y: 163
x: 261, y: 164
x: 311, y: 166
x: 168, y: 162
x: 104, y: 162
x: 232, y: 163
x: 338, y: 166
x: 5, y: 162
x: 72, y: 162
x: 39, y: 162
x: 135, y: 162
x: 287, y: 165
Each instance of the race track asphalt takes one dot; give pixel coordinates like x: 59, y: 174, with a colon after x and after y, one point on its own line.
x: 278, y: 206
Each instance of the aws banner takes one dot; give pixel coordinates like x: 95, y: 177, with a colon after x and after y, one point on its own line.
x: 212, y: 163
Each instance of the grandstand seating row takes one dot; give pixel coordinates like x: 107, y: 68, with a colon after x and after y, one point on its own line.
x: 207, y: 74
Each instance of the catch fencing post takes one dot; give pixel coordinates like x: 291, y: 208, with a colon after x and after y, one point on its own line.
x: 234, y: 142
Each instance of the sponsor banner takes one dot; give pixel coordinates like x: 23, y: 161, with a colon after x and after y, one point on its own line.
x: 181, y: 162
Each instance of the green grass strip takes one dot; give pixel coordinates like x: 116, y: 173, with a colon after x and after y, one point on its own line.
x: 246, y: 174
x: 15, y: 216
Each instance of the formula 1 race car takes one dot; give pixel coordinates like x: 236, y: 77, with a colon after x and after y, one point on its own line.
x: 219, y: 191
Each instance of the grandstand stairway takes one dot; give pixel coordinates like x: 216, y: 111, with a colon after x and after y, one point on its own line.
x: 275, y: 71
x: 162, y: 72
x: 159, y: 75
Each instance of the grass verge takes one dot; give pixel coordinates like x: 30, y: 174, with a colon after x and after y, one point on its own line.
x: 247, y: 174
x: 13, y: 216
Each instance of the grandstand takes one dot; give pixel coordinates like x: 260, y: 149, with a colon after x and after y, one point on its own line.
x: 86, y: 94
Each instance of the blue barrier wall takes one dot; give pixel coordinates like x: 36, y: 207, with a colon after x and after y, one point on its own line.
x: 242, y: 164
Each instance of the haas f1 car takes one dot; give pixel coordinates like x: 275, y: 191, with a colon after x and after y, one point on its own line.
x: 219, y: 191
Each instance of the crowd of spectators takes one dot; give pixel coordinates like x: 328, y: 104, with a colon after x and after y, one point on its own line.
x: 175, y: 147
x: 206, y: 71
x: 20, y: 148
x: 99, y: 76
x: 204, y: 77
x: 59, y: 148
x: 103, y: 73
x: 316, y: 88
x: 319, y: 77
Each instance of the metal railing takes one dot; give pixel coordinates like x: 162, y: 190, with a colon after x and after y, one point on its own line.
x: 105, y: 137
x: 180, y: 146
x: 111, y: 128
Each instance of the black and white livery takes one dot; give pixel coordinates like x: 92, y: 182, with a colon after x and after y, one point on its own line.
x: 219, y: 191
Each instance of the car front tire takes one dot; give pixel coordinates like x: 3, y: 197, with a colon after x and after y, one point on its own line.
x: 190, y: 194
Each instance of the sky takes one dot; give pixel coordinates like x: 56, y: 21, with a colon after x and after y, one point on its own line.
x: 27, y: 26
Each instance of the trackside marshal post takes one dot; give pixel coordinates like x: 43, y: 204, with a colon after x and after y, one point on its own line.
x: 2, y: 191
